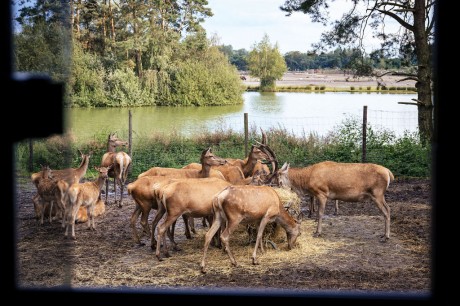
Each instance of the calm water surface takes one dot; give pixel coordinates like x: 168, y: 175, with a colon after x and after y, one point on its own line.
x: 299, y: 113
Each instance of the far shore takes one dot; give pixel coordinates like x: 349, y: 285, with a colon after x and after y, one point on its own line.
x: 338, y: 82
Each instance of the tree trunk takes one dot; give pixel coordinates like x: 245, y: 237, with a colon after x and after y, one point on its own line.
x: 424, y: 93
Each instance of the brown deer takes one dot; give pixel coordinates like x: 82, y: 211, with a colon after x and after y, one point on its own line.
x: 84, y: 194
x: 231, y: 173
x: 251, y: 163
x: 190, y: 196
x: 63, y: 179
x: 46, y: 188
x: 144, y: 190
x: 121, y: 162
x: 207, y: 160
x: 349, y: 182
x: 248, y: 204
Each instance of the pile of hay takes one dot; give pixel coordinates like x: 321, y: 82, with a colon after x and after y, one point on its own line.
x: 273, y: 232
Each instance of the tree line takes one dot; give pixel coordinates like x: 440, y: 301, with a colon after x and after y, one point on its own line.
x: 351, y: 59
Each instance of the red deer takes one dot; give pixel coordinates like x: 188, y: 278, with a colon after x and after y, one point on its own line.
x: 232, y: 174
x: 349, y: 182
x: 121, y: 162
x: 144, y: 189
x: 64, y: 178
x: 247, y: 204
x: 46, y: 187
x: 207, y: 171
x: 82, y: 215
x: 252, y: 163
x: 192, y: 197
x: 84, y: 194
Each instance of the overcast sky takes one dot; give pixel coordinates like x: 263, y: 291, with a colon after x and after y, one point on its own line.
x: 242, y: 23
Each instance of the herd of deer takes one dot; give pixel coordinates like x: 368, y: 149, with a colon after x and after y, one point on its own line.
x: 223, y: 192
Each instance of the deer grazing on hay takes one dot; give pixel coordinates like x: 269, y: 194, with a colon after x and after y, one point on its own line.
x: 349, y: 182
x: 248, y: 204
x: 193, y: 197
x: 121, y: 162
x: 63, y: 179
x: 84, y: 194
x: 144, y: 190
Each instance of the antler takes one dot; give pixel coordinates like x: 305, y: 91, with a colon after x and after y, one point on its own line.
x: 264, y: 137
x: 272, y: 159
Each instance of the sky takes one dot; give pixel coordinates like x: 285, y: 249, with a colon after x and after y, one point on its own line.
x: 243, y: 23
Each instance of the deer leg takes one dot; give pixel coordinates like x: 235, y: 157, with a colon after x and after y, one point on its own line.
x: 322, y: 205
x: 191, y: 224
x: 225, y: 237
x: 160, y: 213
x: 385, y: 209
x: 187, y: 221
x: 40, y: 203
x: 107, y: 191
x: 208, y: 237
x: 122, y: 185
x: 260, y: 233
x: 132, y: 222
x: 336, y: 208
x: 161, y: 236
x: 51, y: 212
x: 115, y: 189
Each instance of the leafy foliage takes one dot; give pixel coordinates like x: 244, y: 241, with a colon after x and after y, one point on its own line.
x: 266, y: 62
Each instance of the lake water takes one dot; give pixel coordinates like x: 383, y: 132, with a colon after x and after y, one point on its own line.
x: 298, y: 113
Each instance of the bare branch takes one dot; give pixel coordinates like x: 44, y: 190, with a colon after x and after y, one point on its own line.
x: 408, y: 78
x: 398, y: 19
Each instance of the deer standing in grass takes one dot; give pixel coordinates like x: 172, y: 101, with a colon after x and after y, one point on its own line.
x: 121, y: 162
x: 349, y: 182
x: 84, y: 194
x: 63, y: 179
x: 245, y: 204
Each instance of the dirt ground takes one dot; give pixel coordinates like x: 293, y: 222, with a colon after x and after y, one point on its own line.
x: 348, y: 256
x: 337, y: 80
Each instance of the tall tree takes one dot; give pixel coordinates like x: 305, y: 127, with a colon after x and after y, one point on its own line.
x: 414, y: 37
x: 267, y: 63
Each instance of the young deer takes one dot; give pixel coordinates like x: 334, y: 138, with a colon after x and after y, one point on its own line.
x: 63, y: 179
x: 121, y: 162
x: 46, y: 187
x: 86, y: 195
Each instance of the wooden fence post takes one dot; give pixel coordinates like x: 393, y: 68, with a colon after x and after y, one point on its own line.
x: 130, y: 138
x: 246, y: 134
x: 364, y: 133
